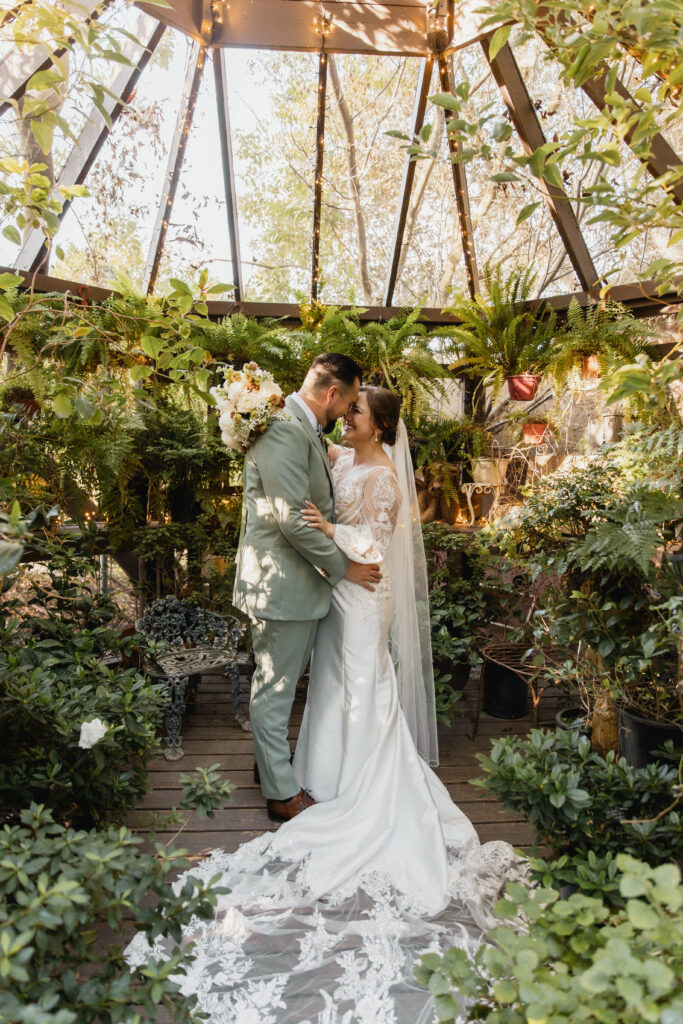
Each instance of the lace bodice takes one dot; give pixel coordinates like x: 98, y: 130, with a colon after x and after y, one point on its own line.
x: 366, y: 504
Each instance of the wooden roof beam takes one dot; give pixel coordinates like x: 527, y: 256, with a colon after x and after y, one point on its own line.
x: 193, y: 77
x: 642, y: 297
x: 662, y: 157
x: 417, y: 120
x: 509, y: 80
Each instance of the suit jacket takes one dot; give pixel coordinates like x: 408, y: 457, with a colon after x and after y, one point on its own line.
x: 286, y: 570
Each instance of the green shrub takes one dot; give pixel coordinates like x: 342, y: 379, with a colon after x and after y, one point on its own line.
x: 579, y: 801
x: 463, y: 600
x: 52, y: 680
x: 573, y: 961
x: 59, y: 888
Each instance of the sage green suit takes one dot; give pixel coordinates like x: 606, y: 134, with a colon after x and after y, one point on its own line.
x: 284, y: 579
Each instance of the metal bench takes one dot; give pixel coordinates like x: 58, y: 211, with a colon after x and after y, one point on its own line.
x: 195, y: 641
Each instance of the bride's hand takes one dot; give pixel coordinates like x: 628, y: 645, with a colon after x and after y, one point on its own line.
x: 315, y: 519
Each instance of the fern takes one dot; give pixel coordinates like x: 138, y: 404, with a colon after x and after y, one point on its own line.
x: 499, y: 336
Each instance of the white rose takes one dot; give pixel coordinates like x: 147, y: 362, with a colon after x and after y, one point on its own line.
x: 225, y: 420
x: 234, y: 390
x: 92, y: 732
x: 269, y: 389
x: 249, y: 401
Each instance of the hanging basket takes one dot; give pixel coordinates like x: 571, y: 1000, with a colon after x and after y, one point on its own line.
x: 534, y: 432
x: 590, y: 367
x: 523, y: 386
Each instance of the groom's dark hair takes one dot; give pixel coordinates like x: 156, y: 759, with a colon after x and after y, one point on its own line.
x: 335, y: 368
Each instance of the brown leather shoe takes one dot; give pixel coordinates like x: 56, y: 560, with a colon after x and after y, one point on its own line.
x: 283, y: 810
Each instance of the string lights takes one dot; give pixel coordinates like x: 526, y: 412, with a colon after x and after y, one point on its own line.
x: 323, y: 26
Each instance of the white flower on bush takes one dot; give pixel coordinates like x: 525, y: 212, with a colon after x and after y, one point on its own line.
x: 92, y: 732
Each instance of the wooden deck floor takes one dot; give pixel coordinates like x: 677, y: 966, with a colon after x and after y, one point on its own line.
x: 211, y: 735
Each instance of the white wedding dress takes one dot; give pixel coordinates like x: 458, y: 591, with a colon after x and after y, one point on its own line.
x: 327, y: 917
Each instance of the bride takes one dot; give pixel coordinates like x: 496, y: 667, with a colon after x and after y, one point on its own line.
x: 327, y: 917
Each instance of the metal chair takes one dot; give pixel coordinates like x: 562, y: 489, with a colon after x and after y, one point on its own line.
x: 196, y: 641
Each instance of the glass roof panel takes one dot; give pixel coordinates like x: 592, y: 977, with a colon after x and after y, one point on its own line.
x: 495, y: 206
x: 273, y: 102
x: 557, y: 107
x: 198, y: 227
x: 109, y: 234
x: 366, y: 97
x: 433, y: 265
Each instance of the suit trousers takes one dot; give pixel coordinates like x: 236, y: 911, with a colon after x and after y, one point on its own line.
x: 281, y: 651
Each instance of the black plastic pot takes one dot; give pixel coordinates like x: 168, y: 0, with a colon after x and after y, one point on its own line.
x: 506, y: 695
x: 571, y: 718
x: 639, y: 737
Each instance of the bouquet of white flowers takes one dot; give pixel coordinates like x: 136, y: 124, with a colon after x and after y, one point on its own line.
x: 248, y: 401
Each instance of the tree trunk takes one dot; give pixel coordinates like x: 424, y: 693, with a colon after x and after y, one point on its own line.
x: 354, y: 180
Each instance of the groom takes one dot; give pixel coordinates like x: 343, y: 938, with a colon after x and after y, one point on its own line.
x: 286, y: 571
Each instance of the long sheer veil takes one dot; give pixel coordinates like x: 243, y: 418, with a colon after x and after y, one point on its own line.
x: 409, y: 633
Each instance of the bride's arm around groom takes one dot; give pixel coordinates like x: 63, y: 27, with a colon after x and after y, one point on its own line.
x: 286, y: 571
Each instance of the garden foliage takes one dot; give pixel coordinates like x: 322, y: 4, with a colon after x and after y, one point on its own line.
x: 572, y: 961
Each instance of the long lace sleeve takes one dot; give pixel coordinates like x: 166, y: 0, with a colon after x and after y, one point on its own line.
x: 368, y: 541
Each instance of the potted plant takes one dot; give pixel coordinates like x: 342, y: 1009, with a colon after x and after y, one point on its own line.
x: 502, y: 336
x: 595, y: 340
x: 463, y: 599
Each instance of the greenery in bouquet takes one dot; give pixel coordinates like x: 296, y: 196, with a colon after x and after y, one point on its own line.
x: 578, y: 960
x: 248, y: 401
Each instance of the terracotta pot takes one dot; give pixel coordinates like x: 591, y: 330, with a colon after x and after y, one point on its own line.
x: 534, y: 432
x: 523, y: 386
x: 590, y: 368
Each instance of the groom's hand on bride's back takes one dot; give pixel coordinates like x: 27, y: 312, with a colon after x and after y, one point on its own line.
x: 364, y: 575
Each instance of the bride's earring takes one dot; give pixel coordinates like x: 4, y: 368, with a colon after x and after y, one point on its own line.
x: 376, y: 438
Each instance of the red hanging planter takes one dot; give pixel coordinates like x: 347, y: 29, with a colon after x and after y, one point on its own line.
x: 523, y: 386
x: 534, y: 432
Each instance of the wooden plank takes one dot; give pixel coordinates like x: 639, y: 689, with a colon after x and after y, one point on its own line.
x: 642, y: 298
x: 424, y: 79
x: 509, y: 80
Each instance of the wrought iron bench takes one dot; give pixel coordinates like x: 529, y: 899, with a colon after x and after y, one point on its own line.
x: 196, y: 641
